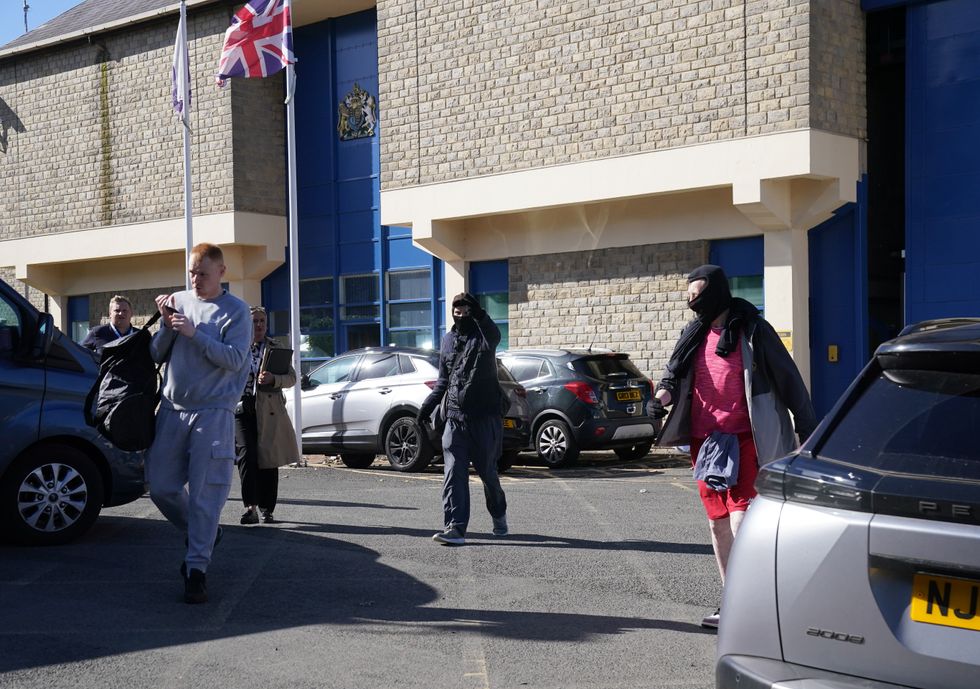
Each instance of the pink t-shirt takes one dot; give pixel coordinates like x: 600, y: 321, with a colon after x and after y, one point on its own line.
x: 718, y: 400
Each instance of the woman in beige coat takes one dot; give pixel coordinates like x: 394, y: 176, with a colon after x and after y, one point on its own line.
x: 264, y: 436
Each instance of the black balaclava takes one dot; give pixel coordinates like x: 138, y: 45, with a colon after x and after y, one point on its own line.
x: 715, y: 297
x: 465, y: 324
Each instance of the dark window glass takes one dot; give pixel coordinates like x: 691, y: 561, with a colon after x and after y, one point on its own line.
x: 315, y: 319
x: 363, y: 312
x: 419, y: 337
x: 605, y: 366
x: 417, y: 315
x: 410, y: 284
x: 912, y: 422
x: 335, y: 371
x: 525, y: 368
x: 381, y: 367
x: 316, y: 292
x: 366, y: 335
x: 9, y: 327
x: 359, y: 289
x: 406, y: 364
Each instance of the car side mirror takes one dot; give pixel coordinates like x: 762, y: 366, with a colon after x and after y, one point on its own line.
x: 305, y: 383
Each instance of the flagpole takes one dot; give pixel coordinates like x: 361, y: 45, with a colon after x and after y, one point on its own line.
x: 294, y: 330
x: 186, y: 119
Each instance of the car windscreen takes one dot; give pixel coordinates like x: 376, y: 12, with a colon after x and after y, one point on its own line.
x: 606, y: 366
x: 912, y: 422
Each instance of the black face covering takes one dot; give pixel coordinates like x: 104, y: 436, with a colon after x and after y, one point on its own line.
x: 465, y: 324
x: 715, y: 297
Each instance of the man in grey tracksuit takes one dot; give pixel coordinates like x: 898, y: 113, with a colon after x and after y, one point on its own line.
x: 205, y: 338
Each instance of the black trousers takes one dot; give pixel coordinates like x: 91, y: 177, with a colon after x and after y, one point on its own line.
x: 259, y: 486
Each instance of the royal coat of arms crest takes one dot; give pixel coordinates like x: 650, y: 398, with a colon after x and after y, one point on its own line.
x: 356, y: 115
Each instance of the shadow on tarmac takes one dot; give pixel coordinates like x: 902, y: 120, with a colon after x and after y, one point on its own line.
x: 118, y: 591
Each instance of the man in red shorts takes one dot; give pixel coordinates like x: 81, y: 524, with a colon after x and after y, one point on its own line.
x: 730, y: 377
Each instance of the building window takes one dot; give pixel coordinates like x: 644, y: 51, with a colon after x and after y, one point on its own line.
x: 316, y: 324
x: 359, y: 297
x: 410, y: 308
x: 742, y: 260
x: 78, y: 317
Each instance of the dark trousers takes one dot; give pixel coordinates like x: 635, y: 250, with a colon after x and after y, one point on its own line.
x: 259, y: 486
x: 475, y: 441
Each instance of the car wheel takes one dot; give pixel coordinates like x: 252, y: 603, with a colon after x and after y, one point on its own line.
x: 405, y: 447
x: 631, y: 452
x: 359, y: 460
x: 508, y: 458
x: 51, y: 495
x: 555, y: 444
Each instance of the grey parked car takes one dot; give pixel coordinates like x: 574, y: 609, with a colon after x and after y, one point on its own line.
x: 859, y: 563
x: 363, y: 403
x: 56, y: 473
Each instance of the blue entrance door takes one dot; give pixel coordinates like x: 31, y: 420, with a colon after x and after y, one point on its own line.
x: 838, y: 303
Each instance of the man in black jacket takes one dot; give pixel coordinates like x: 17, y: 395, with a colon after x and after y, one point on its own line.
x: 119, y: 325
x: 473, y: 433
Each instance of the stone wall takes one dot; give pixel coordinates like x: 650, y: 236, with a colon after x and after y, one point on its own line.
x: 89, y: 138
x: 630, y: 299
x: 143, y: 301
x: 35, y: 296
x: 471, y: 87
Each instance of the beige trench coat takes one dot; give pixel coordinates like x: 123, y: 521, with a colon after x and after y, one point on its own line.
x: 277, y: 439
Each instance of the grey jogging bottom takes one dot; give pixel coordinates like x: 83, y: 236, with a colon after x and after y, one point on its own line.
x: 477, y: 441
x: 189, y: 469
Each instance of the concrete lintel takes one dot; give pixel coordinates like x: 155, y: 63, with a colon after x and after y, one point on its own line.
x: 442, y: 239
x: 144, y: 254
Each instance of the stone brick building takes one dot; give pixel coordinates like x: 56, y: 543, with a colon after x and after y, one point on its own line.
x: 567, y: 161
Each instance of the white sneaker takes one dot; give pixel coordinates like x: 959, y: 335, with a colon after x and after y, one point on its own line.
x: 449, y: 536
x: 711, y: 621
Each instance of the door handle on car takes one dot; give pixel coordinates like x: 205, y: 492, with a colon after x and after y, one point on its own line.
x: 336, y: 395
x: 384, y: 391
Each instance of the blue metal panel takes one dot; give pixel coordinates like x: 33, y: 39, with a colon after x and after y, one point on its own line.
x: 355, y: 194
x: 739, y: 257
x: 357, y: 257
x: 943, y: 171
x: 78, y: 309
x: 358, y: 226
x: 487, y: 277
x: 403, y: 254
x: 873, y: 5
x: 838, y: 301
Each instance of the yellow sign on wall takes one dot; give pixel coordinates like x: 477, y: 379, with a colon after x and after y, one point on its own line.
x: 786, y: 337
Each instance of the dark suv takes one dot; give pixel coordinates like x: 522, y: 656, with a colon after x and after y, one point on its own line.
x: 859, y: 563
x: 583, y: 400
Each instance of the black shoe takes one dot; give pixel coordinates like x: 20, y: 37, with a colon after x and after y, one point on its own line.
x: 267, y: 517
x: 250, y: 516
x: 195, y: 588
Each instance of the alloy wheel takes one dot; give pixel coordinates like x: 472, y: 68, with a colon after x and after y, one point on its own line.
x: 52, y: 497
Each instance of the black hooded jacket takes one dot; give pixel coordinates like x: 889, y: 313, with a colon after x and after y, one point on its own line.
x: 468, y: 371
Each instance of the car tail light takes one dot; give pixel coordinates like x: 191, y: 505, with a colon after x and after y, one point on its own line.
x: 583, y: 391
x: 431, y: 384
x: 811, y: 481
x: 600, y: 430
x: 520, y: 391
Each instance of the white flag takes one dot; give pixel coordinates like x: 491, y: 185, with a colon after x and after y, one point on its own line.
x: 181, y: 72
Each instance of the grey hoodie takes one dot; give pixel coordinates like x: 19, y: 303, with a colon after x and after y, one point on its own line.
x: 207, y: 371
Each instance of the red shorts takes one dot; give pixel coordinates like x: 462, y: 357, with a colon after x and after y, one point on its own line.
x: 719, y: 503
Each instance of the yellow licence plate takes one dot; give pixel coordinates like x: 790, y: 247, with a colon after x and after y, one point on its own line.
x: 509, y: 423
x: 946, y: 601
x: 628, y: 396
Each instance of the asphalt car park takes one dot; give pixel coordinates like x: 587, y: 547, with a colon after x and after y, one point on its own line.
x: 600, y: 585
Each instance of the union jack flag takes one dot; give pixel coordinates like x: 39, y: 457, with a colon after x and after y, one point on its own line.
x: 259, y: 41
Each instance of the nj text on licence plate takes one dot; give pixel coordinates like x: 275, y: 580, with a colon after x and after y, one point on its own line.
x: 628, y: 396
x: 946, y: 601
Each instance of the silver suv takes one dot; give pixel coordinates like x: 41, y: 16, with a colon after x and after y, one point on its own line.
x: 363, y: 403
x: 859, y: 563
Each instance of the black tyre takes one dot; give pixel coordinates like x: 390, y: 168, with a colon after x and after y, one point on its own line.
x: 357, y: 460
x: 507, y: 459
x: 405, y: 446
x: 631, y: 452
x: 50, y: 496
x: 555, y: 444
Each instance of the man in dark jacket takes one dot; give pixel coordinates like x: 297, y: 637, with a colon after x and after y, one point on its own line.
x: 473, y: 433
x: 731, y: 383
x: 119, y: 325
